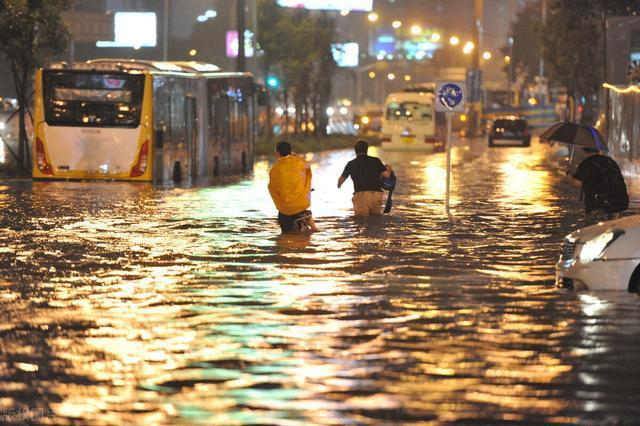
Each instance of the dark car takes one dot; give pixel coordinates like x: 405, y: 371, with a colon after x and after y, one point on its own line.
x: 510, y: 130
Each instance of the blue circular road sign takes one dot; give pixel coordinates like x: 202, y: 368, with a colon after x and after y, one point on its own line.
x: 450, y: 95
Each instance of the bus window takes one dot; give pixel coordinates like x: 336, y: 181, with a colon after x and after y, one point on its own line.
x: 177, y: 117
x: 409, y: 111
x: 92, y: 99
x: 238, y: 115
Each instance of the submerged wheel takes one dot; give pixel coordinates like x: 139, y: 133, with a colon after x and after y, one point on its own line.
x: 216, y: 167
x: 244, y: 162
x: 177, y: 172
x: 634, y: 282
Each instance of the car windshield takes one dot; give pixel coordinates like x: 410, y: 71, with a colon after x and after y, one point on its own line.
x: 514, y: 125
x: 409, y: 111
x: 92, y: 99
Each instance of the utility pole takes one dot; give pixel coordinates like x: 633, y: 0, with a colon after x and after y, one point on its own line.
x: 165, y: 32
x: 542, y: 85
x: 240, y: 17
x: 475, y: 106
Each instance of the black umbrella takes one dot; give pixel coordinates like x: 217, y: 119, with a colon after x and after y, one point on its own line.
x: 575, y: 135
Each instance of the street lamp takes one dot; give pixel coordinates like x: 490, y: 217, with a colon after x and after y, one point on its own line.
x: 468, y: 47
x: 416, y: 29
x: 396, y: 24
x: 486, y: 55
x: 454, y: 40
x: 372, y: 17
x: 435, y: 37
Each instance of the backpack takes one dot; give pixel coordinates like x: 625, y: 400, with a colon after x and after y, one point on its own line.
x: 611, y: 193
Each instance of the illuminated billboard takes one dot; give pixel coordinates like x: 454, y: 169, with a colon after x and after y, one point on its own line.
x: 346, y: 54
x: 356, y: 5
x: 132, y: 29
x: 232, y: 44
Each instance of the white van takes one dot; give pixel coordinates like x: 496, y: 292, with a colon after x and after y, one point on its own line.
x: 409, y: 122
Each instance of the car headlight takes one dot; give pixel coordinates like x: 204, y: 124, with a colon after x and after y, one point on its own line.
x: 594, y: 248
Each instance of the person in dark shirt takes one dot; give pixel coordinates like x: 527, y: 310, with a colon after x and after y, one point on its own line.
x: 365, y: 172
x: 589, y: 172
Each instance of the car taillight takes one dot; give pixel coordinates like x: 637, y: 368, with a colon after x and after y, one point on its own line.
x: 141, y: 165
x: 41, y: 158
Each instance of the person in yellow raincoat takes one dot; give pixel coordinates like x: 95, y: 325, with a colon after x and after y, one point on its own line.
x: 290, y: 189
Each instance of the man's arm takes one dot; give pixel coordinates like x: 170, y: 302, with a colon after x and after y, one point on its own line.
x: 387, y: 171
x: 345, y: 174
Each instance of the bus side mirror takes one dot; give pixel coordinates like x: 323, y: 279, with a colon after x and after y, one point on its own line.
x: 159, y: 138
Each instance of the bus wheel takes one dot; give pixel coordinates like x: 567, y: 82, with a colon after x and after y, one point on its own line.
x: 244, y: 162
x: 634, y: 282
x: 216, y: 167
x: 177, y: 172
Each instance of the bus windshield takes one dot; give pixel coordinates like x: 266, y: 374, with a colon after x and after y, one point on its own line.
x: 92, y: 99
x: 409, y: 111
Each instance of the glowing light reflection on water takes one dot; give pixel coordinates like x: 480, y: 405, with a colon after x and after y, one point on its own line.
x: 131, y: 303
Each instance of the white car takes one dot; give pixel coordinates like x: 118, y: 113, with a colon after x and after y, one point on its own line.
x: 605, y: 256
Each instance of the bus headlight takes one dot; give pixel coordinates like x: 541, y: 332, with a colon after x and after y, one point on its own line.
x: 595, y: 247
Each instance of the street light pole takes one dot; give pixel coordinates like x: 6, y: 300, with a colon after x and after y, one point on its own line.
x: 240, y: 17
x: 165, y: 33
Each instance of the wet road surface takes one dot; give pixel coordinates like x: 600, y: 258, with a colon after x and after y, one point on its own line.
x: 128, y: 303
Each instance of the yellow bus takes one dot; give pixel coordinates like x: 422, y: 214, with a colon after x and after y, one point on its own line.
x: 139, y: 120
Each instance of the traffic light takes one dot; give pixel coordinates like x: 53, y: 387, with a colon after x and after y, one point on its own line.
x: 273, y: 82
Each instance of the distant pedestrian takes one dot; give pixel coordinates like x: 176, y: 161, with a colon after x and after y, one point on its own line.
x: 290, y: 189
x: 366, y: 173
x: 603, y: 188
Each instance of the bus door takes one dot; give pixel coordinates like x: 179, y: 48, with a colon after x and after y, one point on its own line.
x: 222, y: 134
x: 191, y: 121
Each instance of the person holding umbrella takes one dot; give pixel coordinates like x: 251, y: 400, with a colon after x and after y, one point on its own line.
x: 604, y: 191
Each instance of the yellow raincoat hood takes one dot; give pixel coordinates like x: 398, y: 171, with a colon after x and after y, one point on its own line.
x: 290, y: 184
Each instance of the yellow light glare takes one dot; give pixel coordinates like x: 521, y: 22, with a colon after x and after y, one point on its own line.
x: 486, y: 55
x: 416, y: 29
x: 507, y: 59
x: 193, y: 52
x: 463, y: 117
x: 532, y: 101
x: 372, y: 74
x: 391, y: 76
x: 407, y: 77
x: 454, y: 41
x: 396, y: 24
x: 435, y: 37
x: 344, y: 12
x: 468, y: 48
x: 372, y: 17
x: 365, y: 119
x: 629, y: 89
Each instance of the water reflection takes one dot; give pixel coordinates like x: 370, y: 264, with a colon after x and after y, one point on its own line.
x: 128, y: 303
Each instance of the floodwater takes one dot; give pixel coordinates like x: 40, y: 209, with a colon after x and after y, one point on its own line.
x: 128, y: 303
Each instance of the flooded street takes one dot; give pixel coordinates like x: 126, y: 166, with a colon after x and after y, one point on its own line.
x: 129, y: 303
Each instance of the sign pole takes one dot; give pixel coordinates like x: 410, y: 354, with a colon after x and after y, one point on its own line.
x: 448, y: 115
x: 450, y: 99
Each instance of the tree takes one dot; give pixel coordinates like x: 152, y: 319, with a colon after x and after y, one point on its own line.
x: 526, y: 48
x: 30, y: 30
x: 297, y: 45
x: 573, y: 39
